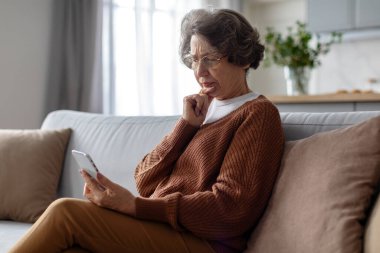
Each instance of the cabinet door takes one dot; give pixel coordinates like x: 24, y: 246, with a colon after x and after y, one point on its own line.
x: 367, y: 13
x: 317, y: 107
x: 374, y: 106
x: 330, y: 15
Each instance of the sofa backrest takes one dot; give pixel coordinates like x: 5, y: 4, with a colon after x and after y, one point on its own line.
x: 118, y: 143
x: 299, y: 125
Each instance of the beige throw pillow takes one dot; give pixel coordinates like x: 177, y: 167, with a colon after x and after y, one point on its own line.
x: 372, y: 231
x: 323, y: 191
x: 30, y: 167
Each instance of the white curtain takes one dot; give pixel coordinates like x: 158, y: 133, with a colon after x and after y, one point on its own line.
x: 75, y: 74
x: 142, y: 72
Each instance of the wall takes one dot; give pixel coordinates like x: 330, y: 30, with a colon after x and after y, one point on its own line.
x: 348, y: 66
x: 24, y: 48
x: 279, y: 15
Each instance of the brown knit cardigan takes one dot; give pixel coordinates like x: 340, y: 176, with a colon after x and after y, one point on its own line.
x: 214, y: 181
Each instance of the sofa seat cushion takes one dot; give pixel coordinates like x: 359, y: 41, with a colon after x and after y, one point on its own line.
x: 30, y: 167
x: 10, y: 233
x: 323, y: 193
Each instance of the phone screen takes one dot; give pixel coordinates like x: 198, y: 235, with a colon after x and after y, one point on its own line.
x: 85, y: 162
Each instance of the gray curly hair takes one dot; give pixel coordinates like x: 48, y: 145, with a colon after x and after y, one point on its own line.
x: 226, y: 30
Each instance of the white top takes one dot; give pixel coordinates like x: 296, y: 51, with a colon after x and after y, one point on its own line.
x: 220, y: 108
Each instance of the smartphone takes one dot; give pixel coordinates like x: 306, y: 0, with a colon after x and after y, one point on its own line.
x: 85, y: 162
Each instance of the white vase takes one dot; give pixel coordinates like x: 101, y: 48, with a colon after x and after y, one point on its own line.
x: 297, y: 80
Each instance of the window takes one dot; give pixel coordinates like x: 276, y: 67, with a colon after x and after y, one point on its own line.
x: 143, y: 74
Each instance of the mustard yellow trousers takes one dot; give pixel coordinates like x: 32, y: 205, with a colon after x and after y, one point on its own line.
x: 73, y: 225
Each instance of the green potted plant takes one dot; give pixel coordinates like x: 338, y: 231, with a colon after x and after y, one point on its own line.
x: 297, y: 54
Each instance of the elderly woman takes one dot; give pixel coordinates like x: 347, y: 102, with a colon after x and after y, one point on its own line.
x: 205, y: 186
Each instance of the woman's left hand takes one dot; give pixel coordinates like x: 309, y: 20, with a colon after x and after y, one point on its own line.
x: 105, y: 193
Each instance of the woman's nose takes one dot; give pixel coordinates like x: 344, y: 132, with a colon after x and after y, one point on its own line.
x: 201, y: 70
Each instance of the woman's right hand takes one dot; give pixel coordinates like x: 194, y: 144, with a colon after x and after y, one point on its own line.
x: 195, y: 108
x: 105, y: 193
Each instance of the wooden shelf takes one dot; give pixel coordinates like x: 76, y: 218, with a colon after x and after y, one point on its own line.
x: 326, y: 98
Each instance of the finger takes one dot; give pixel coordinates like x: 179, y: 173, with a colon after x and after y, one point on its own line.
x: 104, y: 181
x: 87, y: 193
x: 93, y: 196
x: 189, y: 104
x: 91, y: 182
x: 189, y: 100
x: 86, y: 177
x: 84, y: 173
x: 201, y: 101
x: 206, y: 103
x: 197, y: 111
x: 86, y: 190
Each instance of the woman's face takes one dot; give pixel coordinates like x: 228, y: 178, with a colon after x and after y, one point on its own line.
x: 222, y: 80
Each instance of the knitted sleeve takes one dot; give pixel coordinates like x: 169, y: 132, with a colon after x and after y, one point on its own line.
x: 159, y: 163
x: 241, y: 191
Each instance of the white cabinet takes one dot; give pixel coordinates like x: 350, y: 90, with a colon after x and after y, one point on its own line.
x: 330, y: 15
x: 367, y: 13
x: 343, y: 15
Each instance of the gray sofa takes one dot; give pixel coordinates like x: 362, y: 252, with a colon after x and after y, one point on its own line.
x: 117, y: 144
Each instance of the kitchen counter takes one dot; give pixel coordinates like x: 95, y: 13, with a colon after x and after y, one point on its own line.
x: 328, y: 102
x: 327, y: 98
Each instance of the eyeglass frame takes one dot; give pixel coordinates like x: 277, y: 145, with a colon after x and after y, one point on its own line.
x: 189, y: 61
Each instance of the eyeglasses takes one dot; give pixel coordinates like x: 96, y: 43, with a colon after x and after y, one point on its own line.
x: 208, y: 61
